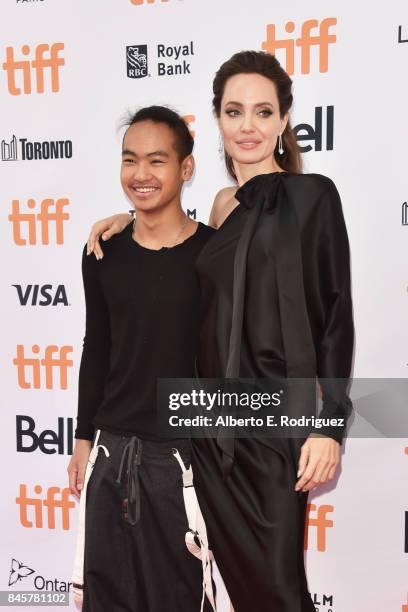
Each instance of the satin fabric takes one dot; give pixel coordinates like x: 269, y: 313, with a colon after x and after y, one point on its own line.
x: 275, y: 283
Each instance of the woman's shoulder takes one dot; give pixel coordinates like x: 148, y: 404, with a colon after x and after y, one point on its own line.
x: 222, y: 205
x: 313, y: 180
x: 313, y: 188
x: 225, y: 194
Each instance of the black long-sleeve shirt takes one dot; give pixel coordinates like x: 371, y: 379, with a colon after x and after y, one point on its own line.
x: 142, y: 323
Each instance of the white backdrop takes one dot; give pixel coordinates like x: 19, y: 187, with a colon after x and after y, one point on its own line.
x: 356, y: 556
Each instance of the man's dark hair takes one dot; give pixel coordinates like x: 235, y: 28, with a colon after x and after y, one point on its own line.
x: 184, y: 141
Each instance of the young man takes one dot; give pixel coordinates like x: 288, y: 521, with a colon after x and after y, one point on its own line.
x: 142, y: 320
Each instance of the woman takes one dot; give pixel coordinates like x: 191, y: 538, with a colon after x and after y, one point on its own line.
x: 276, y: 293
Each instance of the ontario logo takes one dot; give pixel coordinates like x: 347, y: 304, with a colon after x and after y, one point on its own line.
x: 136, y: 58
x: 19, y: 571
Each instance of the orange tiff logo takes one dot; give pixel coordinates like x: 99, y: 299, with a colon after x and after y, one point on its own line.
x: 320, y: 522
x: 29, y: 368
x: 50, y: 211
x: 46, y: 60
x: 305, y: 42
x: 405, y: 606
x: 189, y: 119
x: 56, y: 501
x: 146, y: 1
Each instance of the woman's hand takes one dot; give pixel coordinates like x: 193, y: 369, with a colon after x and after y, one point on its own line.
x: 105, y: 229
x: 77, y: 466
x: 319, y: 458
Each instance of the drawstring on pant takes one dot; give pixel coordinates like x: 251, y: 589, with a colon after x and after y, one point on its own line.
x: 133, y: 452
x: 197, y: 531
x: 78, y: 574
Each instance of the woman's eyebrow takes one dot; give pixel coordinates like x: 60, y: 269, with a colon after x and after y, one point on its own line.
x: 256, y: 104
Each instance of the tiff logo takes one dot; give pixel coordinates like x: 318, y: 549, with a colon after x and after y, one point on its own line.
x: 46, y: 60
x: 305, y: 41
x: 189, y: 119
x: 9, y: 150
x: 56, y: 499
x: 138, y: 2
x: 404, y: 214
x: 41, y: 220
x: 55, y: 358
x: 320, y: 522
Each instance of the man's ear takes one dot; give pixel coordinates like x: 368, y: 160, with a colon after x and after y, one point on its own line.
x: 187, y: 167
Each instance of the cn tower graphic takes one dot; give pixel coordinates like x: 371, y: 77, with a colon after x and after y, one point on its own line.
x: 9, y: 150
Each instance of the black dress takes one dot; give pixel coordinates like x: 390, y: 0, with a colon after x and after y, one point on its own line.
x: 275, y: 284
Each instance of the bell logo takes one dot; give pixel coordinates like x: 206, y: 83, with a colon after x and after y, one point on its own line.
x: 404, y: 213
x: 305, y: 42
x: 320, y: 522
x: 189, y: 119
x: 400, y: 36
x: 56, y: 358
x: 46, y: 59
x: 56, y: 499
x: 41, y: 220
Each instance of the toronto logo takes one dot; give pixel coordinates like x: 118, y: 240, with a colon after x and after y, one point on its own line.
x: 9, y: 150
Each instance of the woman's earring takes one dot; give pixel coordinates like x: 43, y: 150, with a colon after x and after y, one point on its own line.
x: 220, y: 145
x: 280, y: 147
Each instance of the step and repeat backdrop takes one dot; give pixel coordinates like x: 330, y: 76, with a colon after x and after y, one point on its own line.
x: 69, y: 71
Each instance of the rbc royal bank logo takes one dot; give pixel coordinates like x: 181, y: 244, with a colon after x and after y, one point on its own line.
x: 136, y: 58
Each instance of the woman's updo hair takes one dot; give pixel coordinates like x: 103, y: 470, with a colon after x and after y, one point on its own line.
x: 259, y: 62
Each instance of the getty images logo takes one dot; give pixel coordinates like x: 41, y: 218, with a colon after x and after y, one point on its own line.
x: 27, y: 150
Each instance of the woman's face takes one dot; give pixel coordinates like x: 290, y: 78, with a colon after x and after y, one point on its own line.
x: 250, y: 121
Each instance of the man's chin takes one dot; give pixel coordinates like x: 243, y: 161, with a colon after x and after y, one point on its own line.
x: 146, y: 204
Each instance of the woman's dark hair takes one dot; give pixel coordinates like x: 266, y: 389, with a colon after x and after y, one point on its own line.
x: 259, y: 62
x: 161, y: 114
